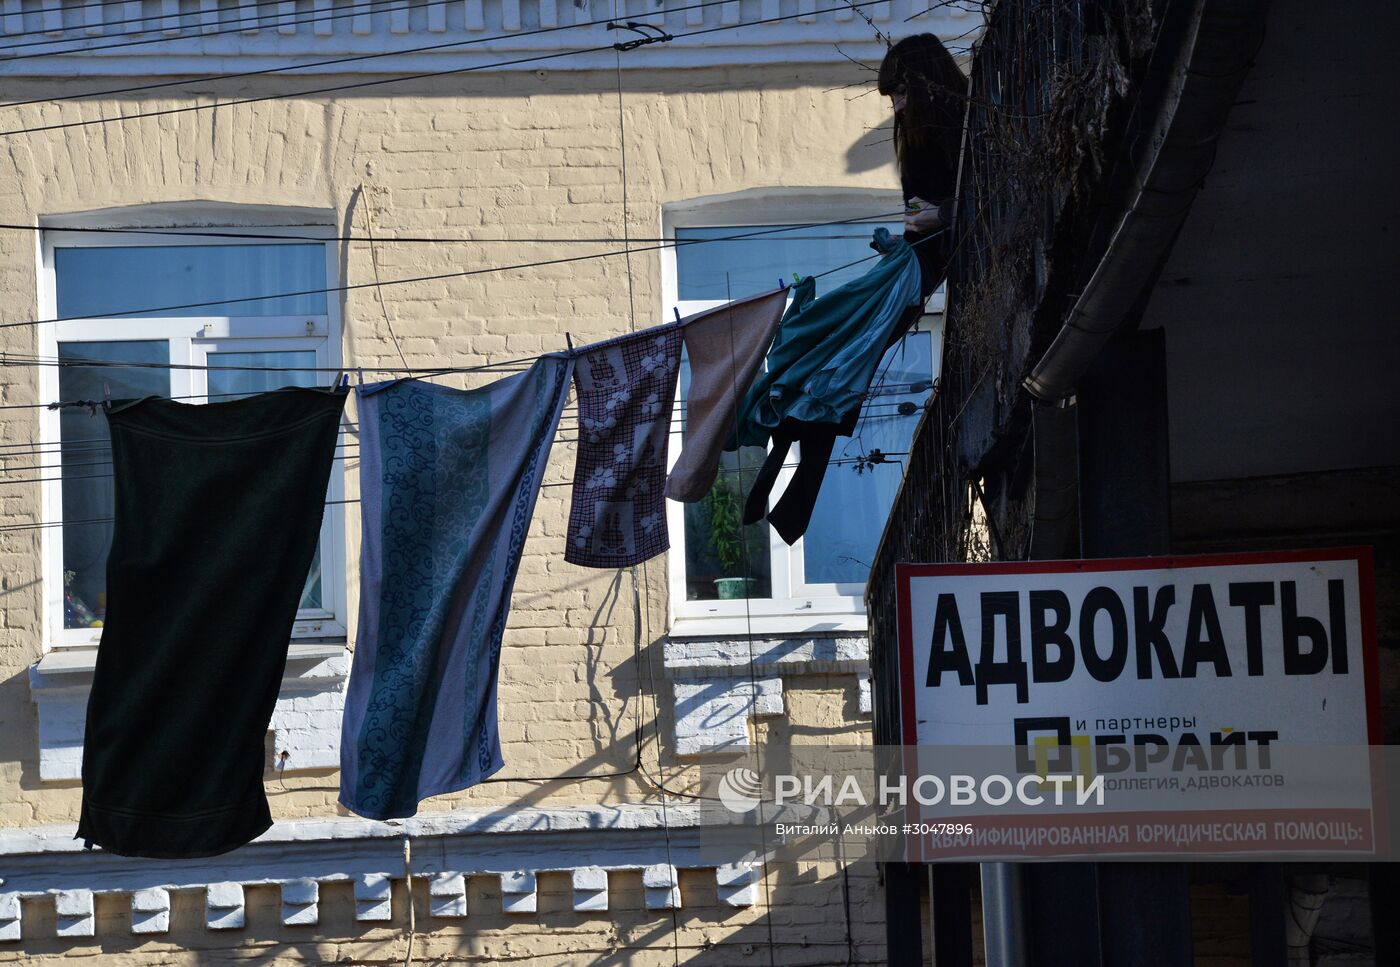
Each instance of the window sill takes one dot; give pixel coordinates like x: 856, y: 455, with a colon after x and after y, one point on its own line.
x: 772, y: 625
x: 82, y: 660
x: 305, y: 721
x: 719, y: 682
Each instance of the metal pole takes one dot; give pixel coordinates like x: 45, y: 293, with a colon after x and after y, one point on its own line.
x: 1003, y: 915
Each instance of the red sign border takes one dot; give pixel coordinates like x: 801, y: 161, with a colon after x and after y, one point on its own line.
x: 1363, y: 556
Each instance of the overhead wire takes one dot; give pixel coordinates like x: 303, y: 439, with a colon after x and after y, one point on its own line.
x: 834, y: 462
x: 437, y: 277
x: 639, y: 761
x: 628, y: 251
x: 430, y: 240
x: 422, y: 75
x: 174, y: 25
x: 242, y: 24
x: 257, y: 22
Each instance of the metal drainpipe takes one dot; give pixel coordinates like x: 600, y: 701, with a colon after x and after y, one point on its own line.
x: 1222, y: 39
x: 1003, y: 915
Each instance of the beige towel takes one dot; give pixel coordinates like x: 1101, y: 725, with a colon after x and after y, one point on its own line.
x: 726, y: 347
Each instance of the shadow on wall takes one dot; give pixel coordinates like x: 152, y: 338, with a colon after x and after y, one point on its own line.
x: 873, y: 149
x: 19, y: 731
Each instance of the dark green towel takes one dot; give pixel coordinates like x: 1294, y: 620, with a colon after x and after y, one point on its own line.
x: 218, y: 514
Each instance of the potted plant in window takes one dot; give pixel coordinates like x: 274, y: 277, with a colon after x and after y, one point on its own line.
x: 727, y: 539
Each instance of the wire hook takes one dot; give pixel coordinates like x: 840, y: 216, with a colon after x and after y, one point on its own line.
x: 641, y: 29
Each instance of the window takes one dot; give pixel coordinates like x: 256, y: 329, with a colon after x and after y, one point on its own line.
x: 725, y: 578
x: 111, y: 282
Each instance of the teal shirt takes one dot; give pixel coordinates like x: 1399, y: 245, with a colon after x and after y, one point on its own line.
x: 824, y: 356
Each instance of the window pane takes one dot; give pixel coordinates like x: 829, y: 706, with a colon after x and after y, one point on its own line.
x: 101, y: 281
x: 230, y: 384
x: 86, y: 464
x: 281, y: 369
x: 746, y: 266
x: 855, y: 499
x: 722, y: 557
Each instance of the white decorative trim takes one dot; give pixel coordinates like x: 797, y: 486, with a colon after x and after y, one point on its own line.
x: 663, y: 887
x: 806, y: 655
x: 518, y: 892
x: 714, y: 697
x: 305, y: 721
x: 447, y: 895
x: 150, y: 911
x: 9, y: 916
x: 712, y: 715
x: 75, y: 917
x: 590, y: 889
x: 738, y: 883
x: 207, y: 37
x: 223, y: 906
x: 374, y: 894
x: 301, y: 903
x: 298, y: 856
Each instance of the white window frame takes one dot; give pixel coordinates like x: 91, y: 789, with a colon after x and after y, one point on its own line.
x: 191, y: 339
x: 796, y: 607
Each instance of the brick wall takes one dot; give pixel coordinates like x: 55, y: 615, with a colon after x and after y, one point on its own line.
x: 523, y: 155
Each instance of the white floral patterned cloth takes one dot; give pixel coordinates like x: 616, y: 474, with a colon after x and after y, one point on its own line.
x: 625, y: 391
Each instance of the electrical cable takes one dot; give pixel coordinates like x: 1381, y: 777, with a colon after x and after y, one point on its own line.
x: 628, y: 251
x: 420, y: 239
x: 352, y: 10
x: 422, y: 75
x: 176, y: 22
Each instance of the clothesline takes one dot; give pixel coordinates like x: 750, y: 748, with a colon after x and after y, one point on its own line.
x: 895, y: 389
x: 340, y: 456
x: 835, y: 462
x: 450, y: 240
x: 419, y: 443
x: 350, y: 287
x: 901, y: 411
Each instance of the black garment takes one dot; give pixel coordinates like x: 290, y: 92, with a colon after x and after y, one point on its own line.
x: 218, y: 514
x: 793, y: 511
x: 933, y: 183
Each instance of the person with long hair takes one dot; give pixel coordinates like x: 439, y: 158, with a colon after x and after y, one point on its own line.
x: 927, y: 90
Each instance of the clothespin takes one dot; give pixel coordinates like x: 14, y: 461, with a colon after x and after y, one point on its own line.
x: 781, y: 283
x: 335, y: 383
x: 569, y: 340
x: 359, y: 376
x: 677, y: 311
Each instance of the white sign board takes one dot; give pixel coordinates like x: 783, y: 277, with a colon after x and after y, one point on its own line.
x: 1161, y: 676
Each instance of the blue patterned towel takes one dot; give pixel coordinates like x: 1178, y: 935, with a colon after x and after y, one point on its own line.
x: 448, y: 482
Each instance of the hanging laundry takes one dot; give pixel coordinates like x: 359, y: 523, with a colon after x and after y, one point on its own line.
x: 819, y: 370
x: 448, y: 483
x: 626, y: 388
x: 218, y: 515
x: 725, y: 348
x: 826, y: 351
